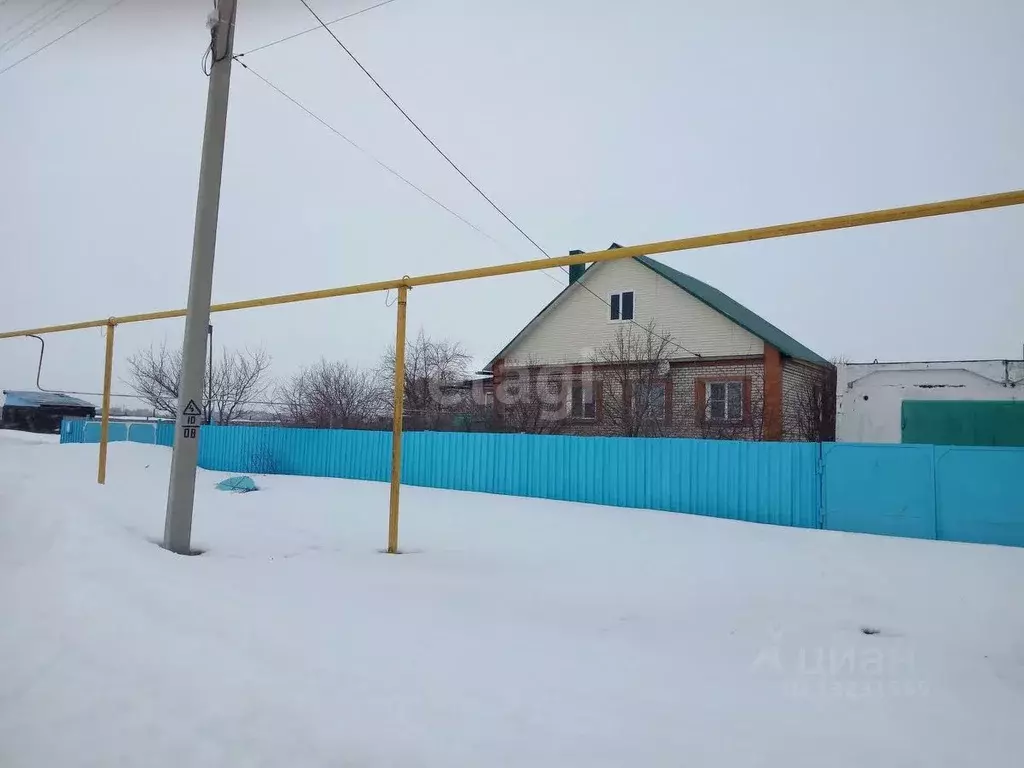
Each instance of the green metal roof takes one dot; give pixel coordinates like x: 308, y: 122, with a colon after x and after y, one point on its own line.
x: 713, y: 297
x: 735, y: 311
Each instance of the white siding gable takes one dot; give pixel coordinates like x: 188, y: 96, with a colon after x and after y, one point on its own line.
x: 579, y: 323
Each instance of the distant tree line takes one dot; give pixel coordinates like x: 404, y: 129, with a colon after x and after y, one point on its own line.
x: 327, y: 394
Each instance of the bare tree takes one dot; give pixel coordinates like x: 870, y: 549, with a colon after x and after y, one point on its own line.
x: 633, y: 371
x: 154, y: 374
x: 532, y: 403
x: 433, y: 369
x: 239, y: 378
x: 331, y: 395
x: 814, y: 405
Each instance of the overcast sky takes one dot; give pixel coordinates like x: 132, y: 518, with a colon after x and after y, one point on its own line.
x: 589, y: 121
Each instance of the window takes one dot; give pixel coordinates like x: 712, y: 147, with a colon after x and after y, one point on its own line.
x: 584, y: 406
x: 621, y: 306
x: 649, y: 401
x: 725, y: 400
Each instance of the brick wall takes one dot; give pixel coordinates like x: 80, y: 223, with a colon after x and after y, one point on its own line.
x: 799, y: 400
x: 689, y: 385
x: 686, y: 398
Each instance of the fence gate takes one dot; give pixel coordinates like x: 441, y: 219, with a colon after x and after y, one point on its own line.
x: 885, y: 489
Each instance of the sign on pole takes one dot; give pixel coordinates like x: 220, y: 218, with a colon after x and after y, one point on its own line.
x: 190, y: 429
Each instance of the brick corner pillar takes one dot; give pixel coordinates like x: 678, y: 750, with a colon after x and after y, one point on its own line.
x: 497, y: 370
x: 772, y: 393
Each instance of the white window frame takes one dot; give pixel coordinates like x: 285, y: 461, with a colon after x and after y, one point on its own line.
x: 619, y: 294
x: 725, y: 408
x: 590, y: 387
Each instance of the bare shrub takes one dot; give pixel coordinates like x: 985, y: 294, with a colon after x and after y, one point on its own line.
x: 332, y: 395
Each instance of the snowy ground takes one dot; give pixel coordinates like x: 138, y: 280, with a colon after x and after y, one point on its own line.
x: 515, y: 632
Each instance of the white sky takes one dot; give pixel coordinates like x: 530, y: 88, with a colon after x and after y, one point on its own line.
x: 588, y: 121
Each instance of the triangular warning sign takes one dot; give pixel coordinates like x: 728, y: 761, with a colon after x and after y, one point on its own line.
x: 192, y: 409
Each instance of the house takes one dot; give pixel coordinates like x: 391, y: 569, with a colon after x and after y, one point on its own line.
x: 962, y: 402
x: 634, y: 347
x: 42, y: 411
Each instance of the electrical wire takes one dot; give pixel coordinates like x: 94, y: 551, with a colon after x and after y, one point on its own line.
x: 421, y: 132
x: 28, y: 32
x: 380, y: 163
x: 468, y: 180
x: 74, y: 29
x: 209, y: 55
x: 316, y: 28
x: 27, y: 16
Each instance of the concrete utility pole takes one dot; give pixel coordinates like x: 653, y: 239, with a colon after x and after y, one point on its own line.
x: 209, y: 377
x: 181, y: 494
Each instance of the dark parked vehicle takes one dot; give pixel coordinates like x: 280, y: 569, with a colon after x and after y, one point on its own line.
x: 41, y: 411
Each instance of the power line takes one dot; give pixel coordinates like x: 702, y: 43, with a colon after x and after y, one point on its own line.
x: 28, y: 16
x: 420, y: 130
x: 316, y: 28
x: 61, y: 37
x: 381, y: 163
x: 35, y: 28
x: 352, y: 144
x: 468, y: 180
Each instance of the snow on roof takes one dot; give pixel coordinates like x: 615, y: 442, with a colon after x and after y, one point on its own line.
x: 29, y: 399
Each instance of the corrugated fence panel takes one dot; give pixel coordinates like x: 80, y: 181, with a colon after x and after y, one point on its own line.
x: 72, y: 431
x: 165, y: 433
x: 978, y: 495
x: 961, y: 493
x: 353, y: 454
x: 758, y: 482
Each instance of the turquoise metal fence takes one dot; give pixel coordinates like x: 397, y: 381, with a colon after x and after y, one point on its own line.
x: 72, y: 431
x: 934, y: 492
x: 757, y: 482
x: 153, y: 432
x: 952, y: 493
x: 353, y: 454
x: 885, y: 489
x: 979, y: 495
